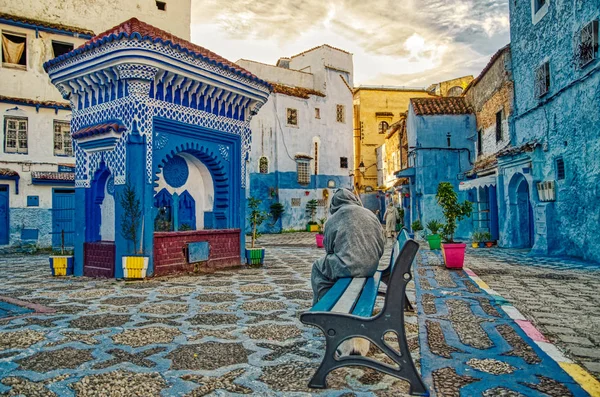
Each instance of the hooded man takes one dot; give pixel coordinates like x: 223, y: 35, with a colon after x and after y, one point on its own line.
x: 354, y: 244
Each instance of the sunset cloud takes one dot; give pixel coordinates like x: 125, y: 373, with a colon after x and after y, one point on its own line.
x: 410, y: 42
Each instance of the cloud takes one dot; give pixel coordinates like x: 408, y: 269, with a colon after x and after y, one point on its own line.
x: 401, y: 41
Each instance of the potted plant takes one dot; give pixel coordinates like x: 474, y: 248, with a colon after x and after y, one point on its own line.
x: 319, y: 236
x: 311, y: 210
x: 416, y: 227
x: 400, y: 219
x: 434, y: 239
x: 255, y: 255
x: 486, y: 237
x: 61, y: 262
x: 453, y: 252
x: 475, y: 239
x: 136, y: 264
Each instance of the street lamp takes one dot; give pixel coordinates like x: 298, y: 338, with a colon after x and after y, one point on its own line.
x: 361, y: 167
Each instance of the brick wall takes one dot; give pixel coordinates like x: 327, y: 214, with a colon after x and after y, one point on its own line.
x: 170, y: 250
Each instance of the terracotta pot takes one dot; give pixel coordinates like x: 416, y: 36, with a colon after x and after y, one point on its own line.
x: 489, y: 244
x: 454, y: 255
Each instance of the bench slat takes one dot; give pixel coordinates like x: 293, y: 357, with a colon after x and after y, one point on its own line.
x: 332, y: 296
x: 350, y: 296
x: 366, y: 302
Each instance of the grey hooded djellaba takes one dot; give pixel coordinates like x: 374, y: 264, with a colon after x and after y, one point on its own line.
x: 353, y: 241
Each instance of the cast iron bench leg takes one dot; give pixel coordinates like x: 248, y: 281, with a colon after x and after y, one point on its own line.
x: 338, y: 327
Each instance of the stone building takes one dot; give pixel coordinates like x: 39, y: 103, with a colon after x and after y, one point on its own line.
x: 302, y: 137
x: 36, y: 158
x: 549, y: 179
x: 375, y: 109
x: 450, y: 88
x: 439, y: 150
x: 490, y: 96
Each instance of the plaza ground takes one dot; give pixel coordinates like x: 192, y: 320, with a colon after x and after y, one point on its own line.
x: 237, y: 331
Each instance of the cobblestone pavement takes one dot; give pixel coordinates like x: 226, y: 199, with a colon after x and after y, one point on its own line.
x: 560, y: 295
x: 231, y: 332
x: 237, y: 332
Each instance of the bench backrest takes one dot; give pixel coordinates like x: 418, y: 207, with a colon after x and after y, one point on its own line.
x: 399, y: 278
x: 403, y: 237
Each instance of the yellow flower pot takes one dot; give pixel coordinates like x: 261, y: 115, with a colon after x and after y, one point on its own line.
x: 135, y: 266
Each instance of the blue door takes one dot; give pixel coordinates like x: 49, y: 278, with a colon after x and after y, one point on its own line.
x: 187, y: 211
x: 63, y: 223
x: 4, y: 209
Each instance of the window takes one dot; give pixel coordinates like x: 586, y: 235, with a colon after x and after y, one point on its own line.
x: 161, y: 5
x: 539, y: 8
x: 295, y: 202
x: 15, y: 135
x: 263, y: 165
x: 343, y: 162
x: 62, y: 139
x: 588, y: 44
x: 14, y: 50
x: 339, y: 114
x: 538, y: 4
x: 383, y: 127
x: 542, y: 80
x: 292, y: 116
x: 61, y: 48
x: 317, y: 113
x: 303, y: 171
x: 479, y: 142
x: 499, y: 120
x: 560, y: 169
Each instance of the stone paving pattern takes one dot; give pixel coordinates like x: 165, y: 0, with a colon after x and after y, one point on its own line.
x: 237, y: 331
x: 560, y: 295
x: 234, y: 331
x: 472, y: 347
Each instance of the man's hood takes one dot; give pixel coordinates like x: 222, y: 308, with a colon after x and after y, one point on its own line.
x: 343, y: 197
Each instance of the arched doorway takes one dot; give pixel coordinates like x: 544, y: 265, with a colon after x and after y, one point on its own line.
x: 521, y: 213
x: 99, y: 246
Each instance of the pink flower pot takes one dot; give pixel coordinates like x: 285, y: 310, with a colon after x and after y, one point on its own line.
x: 454, y: 255
x: 319, y: 238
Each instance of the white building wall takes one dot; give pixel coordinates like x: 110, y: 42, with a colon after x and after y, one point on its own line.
x: 279, y: 142
x: 101, y: 15
x: 33, y: 82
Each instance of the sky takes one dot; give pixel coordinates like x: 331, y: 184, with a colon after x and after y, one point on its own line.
x: 394, y: 42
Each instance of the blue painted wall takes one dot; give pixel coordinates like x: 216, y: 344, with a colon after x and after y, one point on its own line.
x: 31, y: 218
x: 565, y: 121
x: 434, y: 162
x: 286, y: 187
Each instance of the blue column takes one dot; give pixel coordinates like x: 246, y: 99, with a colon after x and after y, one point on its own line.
x: 80, y: 221
x: 493, y: 203
x: 136, y: 176
x: 175, y: 212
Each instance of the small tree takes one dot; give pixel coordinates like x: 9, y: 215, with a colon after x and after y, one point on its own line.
x: 257, y: 217
x: 453, y: 211
x: 132, y: 214
x: 311, y: 210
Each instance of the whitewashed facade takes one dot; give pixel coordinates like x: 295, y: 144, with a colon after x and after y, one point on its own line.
x: 307, y: 119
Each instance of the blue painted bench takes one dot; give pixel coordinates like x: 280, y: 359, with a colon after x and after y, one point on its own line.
x: 346, y: 311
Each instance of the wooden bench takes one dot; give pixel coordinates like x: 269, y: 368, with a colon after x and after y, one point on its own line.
x: 346, y: 311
